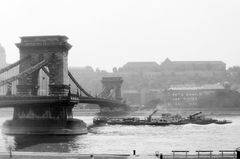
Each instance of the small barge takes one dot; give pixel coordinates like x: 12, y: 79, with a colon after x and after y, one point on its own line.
x: 136, y: 121
x: 165, y: 119
x: 100, y: 120
x: 196, y: 118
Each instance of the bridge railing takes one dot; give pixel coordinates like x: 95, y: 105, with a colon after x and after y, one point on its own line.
x: 21, y: 97
x: 227, y: 152
x: 73, y: 97
x: 209, y: 154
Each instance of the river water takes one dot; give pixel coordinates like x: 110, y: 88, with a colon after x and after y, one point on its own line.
x: 119, y: 139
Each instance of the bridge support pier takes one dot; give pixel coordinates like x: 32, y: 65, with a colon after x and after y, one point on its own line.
x: 55, y: 119
x: 113, y: 110
x: 50, y: 114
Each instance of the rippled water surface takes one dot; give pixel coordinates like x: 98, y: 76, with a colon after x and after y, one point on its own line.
x: 112, y: 139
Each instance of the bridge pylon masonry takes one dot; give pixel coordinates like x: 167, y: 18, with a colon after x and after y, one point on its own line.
x: 112, y: 90
x: 112, y: 83
x: 45, y: 117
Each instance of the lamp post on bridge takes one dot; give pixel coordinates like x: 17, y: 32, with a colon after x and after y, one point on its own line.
x: 43, y: 78
x: 9, y: 88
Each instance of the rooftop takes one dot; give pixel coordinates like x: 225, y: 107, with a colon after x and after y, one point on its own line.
x: 198, y: 62
x: 194, y: 87
x: 141, y: 64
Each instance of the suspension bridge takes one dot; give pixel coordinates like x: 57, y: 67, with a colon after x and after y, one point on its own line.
x: 43, y: 91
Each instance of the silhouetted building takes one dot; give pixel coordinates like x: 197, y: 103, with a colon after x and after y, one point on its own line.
x: 135, y: 97
x: 80, y: 72
x: 3, y: 62
x: 141, y: 67
x: 168, y: 65
x: 150, y: 94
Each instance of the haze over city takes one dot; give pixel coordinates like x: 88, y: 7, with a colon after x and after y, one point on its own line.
x: 106, y: 34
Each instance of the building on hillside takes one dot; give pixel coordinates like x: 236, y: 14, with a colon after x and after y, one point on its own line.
x: 3, y: 62
x: 134, y: 97
x: 152, y: 69
x: 148, y: 95
x: 187, y: 96
x: 80, y: 72
x: 168, y: 65
x: 82, y: 75
x: 141, y: 67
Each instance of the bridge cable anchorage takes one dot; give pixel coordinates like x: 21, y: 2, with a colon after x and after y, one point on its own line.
x: 110, y: 95
x: 78, y: 85
x: 14, y: 64
x: 27, y: 72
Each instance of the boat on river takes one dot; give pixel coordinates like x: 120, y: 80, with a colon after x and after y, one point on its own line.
x: 165, y: 119
x: 137, y: 121
x: 223, y: 122
x: 100, y: 120
x: 198, y: 118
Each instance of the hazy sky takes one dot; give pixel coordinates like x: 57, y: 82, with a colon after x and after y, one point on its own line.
x: 110, y: 33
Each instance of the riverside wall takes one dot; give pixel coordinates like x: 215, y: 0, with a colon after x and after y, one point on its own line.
x: 92, y: 112
x: 54, y: 155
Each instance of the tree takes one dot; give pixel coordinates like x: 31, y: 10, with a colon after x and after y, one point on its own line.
x: 120, y: 69
x: 104, y: 73
x: 234, y: 69
x: 98, y: 71
x: 114, y: 69
x: 220, y: 99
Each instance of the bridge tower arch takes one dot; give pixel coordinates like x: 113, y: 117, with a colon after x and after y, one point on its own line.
x: 42, y: 48
x: 112, y: 83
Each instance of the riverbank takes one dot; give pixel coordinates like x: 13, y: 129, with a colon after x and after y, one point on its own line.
x: 183, y: 112
x: 220, y: 112
x: 50, y: 155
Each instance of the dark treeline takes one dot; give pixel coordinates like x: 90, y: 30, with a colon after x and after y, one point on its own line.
x: 220, y: 99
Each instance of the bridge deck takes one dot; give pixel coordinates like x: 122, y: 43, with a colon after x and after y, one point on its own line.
x: 9, y: 101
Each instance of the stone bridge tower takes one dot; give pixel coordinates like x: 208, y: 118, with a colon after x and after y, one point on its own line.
x: 41, y: 48
x: 111, y: 83
x: 53, y: 116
